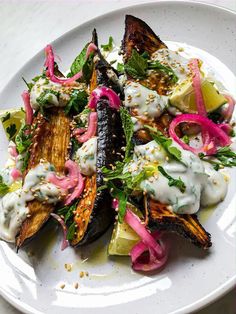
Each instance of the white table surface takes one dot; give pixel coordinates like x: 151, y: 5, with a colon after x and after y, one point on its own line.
x: 22, y: 21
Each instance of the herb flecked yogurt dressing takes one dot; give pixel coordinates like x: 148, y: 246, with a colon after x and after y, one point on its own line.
x: 86, y: 156
x: 204, y: 185
x: 13, y: 206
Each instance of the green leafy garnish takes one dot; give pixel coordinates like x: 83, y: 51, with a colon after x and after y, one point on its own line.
x: 78, y: 101
x: 88, y: 69
x: 165, y: 142
x: 29, y: 85
x: 109, y: 45
x: 6, y: 117
x: 3, y: 187
x: 128, y: 128
x: 71, y: 231
x: 136, y: 66
x: 120, y: 68
x: 68, y: 213
x: 171, y: 181
x: 185, y: 139
x: 25, y: 161
x: 156, y: 65
x: 23, y: 139
x: 11, y: 130
x: 45, y: 97
x: 224, y: 157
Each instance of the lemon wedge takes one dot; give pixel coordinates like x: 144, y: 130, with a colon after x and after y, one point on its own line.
x: 12, y: 121
x: 183, y: 97
x: 123, y: 237
x: 15, y: 186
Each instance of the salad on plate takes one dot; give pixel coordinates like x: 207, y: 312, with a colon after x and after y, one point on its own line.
x: 135, y: 138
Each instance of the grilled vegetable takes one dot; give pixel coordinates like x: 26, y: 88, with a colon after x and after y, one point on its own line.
x: 94, y: 213
x: 50, y: 142
x: 185, y: 225
x: 139, y: 36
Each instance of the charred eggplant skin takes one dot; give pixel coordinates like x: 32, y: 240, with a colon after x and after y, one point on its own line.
x: 108, y: 143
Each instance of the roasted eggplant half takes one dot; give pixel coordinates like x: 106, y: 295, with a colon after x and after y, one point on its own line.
x: 51, y: 138
x: 94, y: 214
x: 139, y: 36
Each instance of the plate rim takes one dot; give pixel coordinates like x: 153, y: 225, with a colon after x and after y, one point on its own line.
x: 227, y: 286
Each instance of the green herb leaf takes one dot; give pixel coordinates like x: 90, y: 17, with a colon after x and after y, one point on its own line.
x: 29, y: 85
x: 6, y: 117
x: 165, y: 142
x: 109, y: 46
x: 156, y: 65
x: 185, y: 139
x: 23, y: 139
x: 136, y: 66
x: 3, y: 187
x: 25, y: 161
x: 145, y: 55
x: 11, y: 131
x: 224, y: 157
x: 120, y: 68
x: 79, y: 61
x: 128, y: 128
x: 173, y: 182
x: 71, y: 231
x: 78, y: 100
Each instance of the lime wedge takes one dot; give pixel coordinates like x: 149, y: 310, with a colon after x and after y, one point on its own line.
x: 183, y: 97
x: 12, y: 121
x: 123, y: 237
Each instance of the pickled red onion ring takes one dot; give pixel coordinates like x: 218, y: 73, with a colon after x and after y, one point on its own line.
x: 91, y: 131
x: 215, y: 135
x: 104, y: 92
x: 228, y: 111
x: 28, y: 109
x: 65, y: 242
x: 16, y: 174
x: 49, y: 63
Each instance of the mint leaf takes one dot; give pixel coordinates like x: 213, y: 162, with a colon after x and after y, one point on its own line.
x: 165, y: 142
x: 77, y: 102
x: 136, y: 66
x: 156, y: 65
x: 120, y: 68
x: 128, y: 128
x: 109, y: 45
x: 79, y: 61
x: 173, y: 182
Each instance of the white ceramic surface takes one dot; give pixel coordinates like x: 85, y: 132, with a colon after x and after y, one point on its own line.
x: 32, y: 281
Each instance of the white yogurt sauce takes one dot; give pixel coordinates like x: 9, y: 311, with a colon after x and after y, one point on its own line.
x: 204, y: 185
x: 13, y: 206
x: 148, y: 103
x: 86, y: 156
x: 52, y: 100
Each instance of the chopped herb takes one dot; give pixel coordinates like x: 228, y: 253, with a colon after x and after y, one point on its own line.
x: 120, y: 68
x: 3, y: 187
x: 29, y: 85
x: 165, y: 142
x: 156, y: 65
x: 11, y: 131
x: 122, y: 197
x: 88, y: 69
x: 112, y: 62
x: 136, y: 66
x: 128, y: 128
x: 224, y: 157
x: 6, y: 117
x: 145, y: 55
x: 25, y: 161
x: 171, y: 181
x: 185, y: 139
x: 23, y: 139
x: 45, y: 97
x: 71, y: 231
x: 78, y: 101
x: 109, y: 46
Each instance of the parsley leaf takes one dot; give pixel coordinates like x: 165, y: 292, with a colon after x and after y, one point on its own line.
x: 25, y: 161
x: 45, y: 97
x: 6, y: 117
x: 23, y: 139
x: 156, y: 65
x: 3, y: 187
x: 29, y: 85
x: 225, y: 158
x: 71, y: 231
x: 165, y: 142
x: 128, y: 128
x: 78, y: 101
x: 109, y: 46
x: 136, y: 65
x: 11, y: 131
x: 173, y: 182
x: 185, y: 139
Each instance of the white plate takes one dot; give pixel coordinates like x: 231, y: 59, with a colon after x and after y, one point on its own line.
x: 31, y: 280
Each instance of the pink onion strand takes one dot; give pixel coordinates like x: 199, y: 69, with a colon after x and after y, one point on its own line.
x: 49, y: 63
x: 91, y: 131
x: 104, y: 92
x: 16, y: 174
x: 28, y: 109
x: 228, y: 111
x: 65, y: 242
